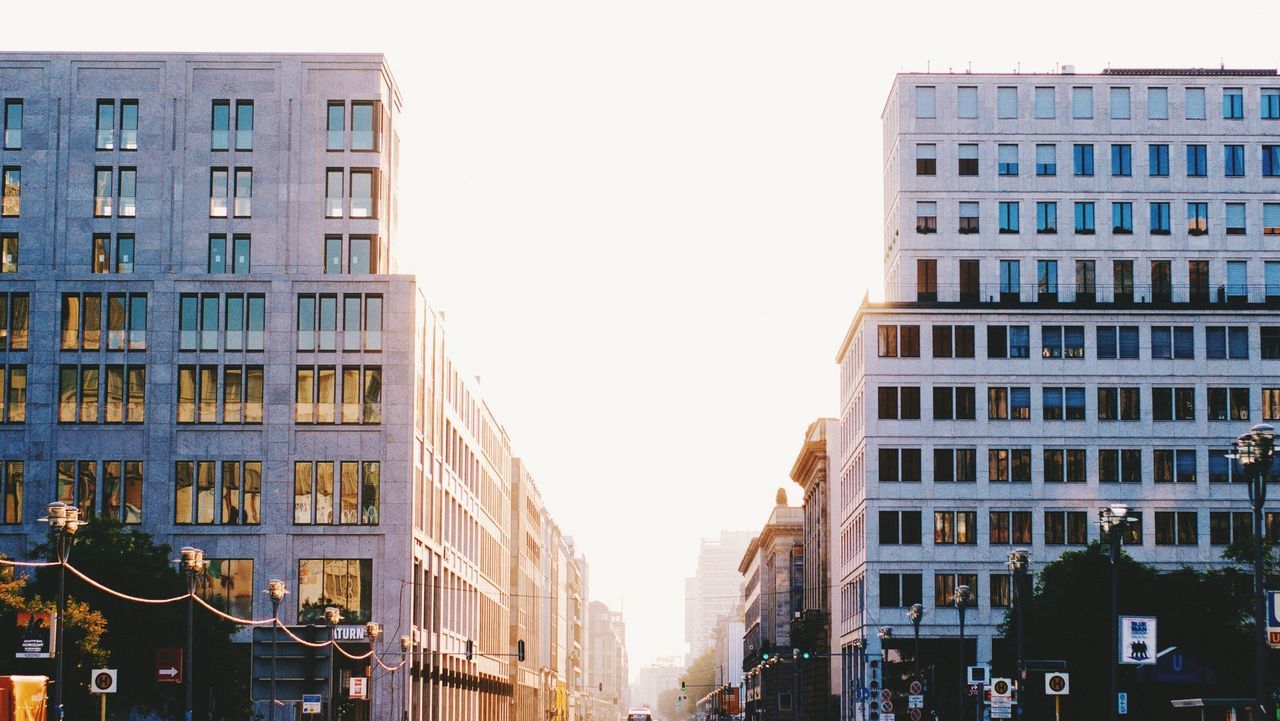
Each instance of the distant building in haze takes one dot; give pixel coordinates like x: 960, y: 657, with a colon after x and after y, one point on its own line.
x: 714, y: 589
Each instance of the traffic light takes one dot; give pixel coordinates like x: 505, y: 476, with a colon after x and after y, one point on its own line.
x: 682, y: 688
x: 471, y: 649
x: 805, y: 655
x: 766, y: 650
x: 520, y: 650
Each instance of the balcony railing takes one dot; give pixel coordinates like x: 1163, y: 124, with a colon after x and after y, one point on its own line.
x: 1098, y: 295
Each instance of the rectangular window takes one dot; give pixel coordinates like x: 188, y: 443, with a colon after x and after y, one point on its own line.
x: 1160, y: 224
x: 106, y: 125
x: 1270, y: 105
x: 955, y: 528
x: 243, y: 205
x: 1066, y: 528
x: 1176, y: 528
x: 1197, y: 161
x: 953, y: 341
x: 927, y: 217
x: 1119, y: 465
x: 1046, y: 160
x: 926, y: 279
x: 1121, y: 160
x: 1122, y: 218
x: 926, y: 159
x: 1005, y: 465
x: 344, y: 583
x: 1085, y: 218
x: 1119, y: 103
x: 1271, y: 218
x: 363, y: 193
x: 926, y: 101
x: 1118, y: 404
x: 333, y: 254
x: 1047, y: 280
x: 364, y: 125
x: 363, y: 256
x: 1235, y: 219
x: 899, y: 590
x: 15, y: 311
x: 1226, y: 342
x: 1007, y: 160
x: 1046, y: 217
x: 968, y: 217
x: 1157, y: 103
x: 966, y: 102
x: 968, y: 159
x: 1232, y: 103
x: 1173, y: 466
x: 1227, y: 527
x: 220, y: 127
x: 945, y: 585
x: 1081, y: 102
x: 335, y: 125
x: 333, y: 197
x: 128, y: 124
x: 12, y: 124
x: 1082, y: 160
x: 1158, y: 160
x: 103, y: 196
x: 244, y: 125
x: 1197, y: 218
x: 1086, y: 281
x: 1009, y: 213
x: 14, y: 399
x: 1271, y: 161
x: 11, y: 205
x: 1045, y: 102
x: 1194, y: 104
x: 899, y: 465
x: 218, y: 179
x: 1006, y: 102
x: 1233, y: 161
x: 128, y: 185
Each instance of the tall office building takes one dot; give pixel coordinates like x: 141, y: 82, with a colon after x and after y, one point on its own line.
x: 714, y: 590
x: 203, y: 336
x: 1081, y: 296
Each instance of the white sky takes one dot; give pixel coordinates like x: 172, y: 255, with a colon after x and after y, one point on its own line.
x: 650, y: 222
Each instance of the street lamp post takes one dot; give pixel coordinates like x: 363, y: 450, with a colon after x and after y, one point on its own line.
x: 64, y: 521
x: 275, y: 590
x: 1114, y: 520
x: 962, y: 597
x: 1019, y: 560
x: 1254, y: 450
x: 191, y: 561
x: 916, y: 614
x: 371, y: 631
x: 332, y: 615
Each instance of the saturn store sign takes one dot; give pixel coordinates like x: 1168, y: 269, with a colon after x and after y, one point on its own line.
x: 36, y: 634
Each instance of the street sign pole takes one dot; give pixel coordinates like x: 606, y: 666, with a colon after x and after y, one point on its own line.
x: 103, y: 698
x: 1057, y: 708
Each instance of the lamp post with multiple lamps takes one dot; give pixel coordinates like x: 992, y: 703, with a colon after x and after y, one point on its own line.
x: 916, y: 614
x: 1255, y: 450
x: 275, y: 590
x: 191, y: 562
x: 1114, y: 520
x: 372, y: 631
x: 961, y: 599
x: 1019, y: 562
x: 332, y: 615
x: 64, y: 521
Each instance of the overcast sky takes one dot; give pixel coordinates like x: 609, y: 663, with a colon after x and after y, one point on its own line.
x: 650, y: 222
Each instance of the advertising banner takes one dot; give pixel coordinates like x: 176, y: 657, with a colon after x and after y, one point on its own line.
x: 36, y: 634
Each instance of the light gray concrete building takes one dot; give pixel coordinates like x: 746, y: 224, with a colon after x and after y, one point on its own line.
x: 1081, y: 293
x: 203, y: 335
x: 713, y: 590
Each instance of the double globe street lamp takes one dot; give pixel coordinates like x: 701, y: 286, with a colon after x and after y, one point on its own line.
x: 1114, y: 520
x: 276, y: 591
x: 1254, y: 450
x: 64, y: 521
x: 961, y: 598
x: 191, y: 561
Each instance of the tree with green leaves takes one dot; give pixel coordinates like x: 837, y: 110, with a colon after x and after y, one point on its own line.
x: 131, y: 562
x: 1205, y: 614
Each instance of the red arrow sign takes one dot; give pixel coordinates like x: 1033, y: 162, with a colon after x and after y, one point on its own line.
x: 168, y: 665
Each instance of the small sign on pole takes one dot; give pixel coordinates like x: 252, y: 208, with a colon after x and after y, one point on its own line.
x: 1122, y: 703
x: 311, y: 703
x: 359, y: 687
x: 168, y: 665
x: 915, y: 700
x: 1057, y: 683
x: 1138, y: 640
x: 36, y: 634
x: 102, y: 680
